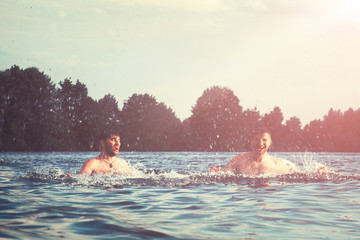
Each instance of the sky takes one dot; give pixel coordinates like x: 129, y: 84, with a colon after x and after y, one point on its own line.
x: 299, y: 55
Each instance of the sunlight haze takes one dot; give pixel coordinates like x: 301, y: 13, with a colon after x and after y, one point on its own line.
x: 301, y: 56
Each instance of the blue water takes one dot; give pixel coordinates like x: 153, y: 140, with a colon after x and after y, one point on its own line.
x: 172, y: 197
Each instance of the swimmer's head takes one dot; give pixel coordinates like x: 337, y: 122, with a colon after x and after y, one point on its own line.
x: 261, y: 141
x: 107, y: 134
x: 110, y: 143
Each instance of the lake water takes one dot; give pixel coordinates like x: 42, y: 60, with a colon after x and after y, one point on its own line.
x: 172, y: 197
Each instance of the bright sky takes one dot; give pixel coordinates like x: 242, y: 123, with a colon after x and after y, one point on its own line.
x: 299, y: 55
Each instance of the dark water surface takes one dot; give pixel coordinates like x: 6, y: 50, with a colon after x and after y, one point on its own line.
x: 172, y: 197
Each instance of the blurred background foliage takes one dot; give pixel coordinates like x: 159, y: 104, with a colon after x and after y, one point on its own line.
x: 35, y: 115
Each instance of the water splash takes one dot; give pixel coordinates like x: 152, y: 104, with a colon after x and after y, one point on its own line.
x: 173, y: 179
x: 310, y: 165
x: 177, y: 176
x: 53, y: 175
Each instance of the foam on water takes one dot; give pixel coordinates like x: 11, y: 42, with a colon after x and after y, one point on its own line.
x: 308, y: 173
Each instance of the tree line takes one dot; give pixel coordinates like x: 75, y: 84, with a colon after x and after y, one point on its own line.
x: 36, y: 115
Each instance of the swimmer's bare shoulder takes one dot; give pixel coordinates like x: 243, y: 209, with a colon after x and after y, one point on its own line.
x: 237, y: 161
x: 89, y: 166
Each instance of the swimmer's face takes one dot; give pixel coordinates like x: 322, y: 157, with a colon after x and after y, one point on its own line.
x: 261, y: 143
x: 112, y: 145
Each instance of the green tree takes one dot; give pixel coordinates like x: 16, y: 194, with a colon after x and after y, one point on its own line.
x: 352, y: 130
x: 293, y: 135
x: 148, y: 125
x: 27, y: 110
x: 109, y: 115
x: 76, y: 116
x: 315, y: 136
x: 215, y: 123
x: 335, y: 130
x: 251, y: 120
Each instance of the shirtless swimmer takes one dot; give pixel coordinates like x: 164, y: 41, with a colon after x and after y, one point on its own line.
x: 259, y: 161
x: 107, y: 162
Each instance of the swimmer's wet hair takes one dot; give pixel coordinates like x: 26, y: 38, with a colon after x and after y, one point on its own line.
x: 107, y: 134
x: 261, y: 130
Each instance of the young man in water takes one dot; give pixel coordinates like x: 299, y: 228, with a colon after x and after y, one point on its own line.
x: 107, y: 162
x: 259, y: 161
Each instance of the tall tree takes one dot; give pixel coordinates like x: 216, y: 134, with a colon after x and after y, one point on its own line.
x: 73, y: 117
x: 292, y: 137
x: 148, y: 125
x: 251, y: 119
x: 352, y: 130
x: 27, y: 110
x: 109, y: 117
x: 315, y: 136
x: 335, y: 129
x: 215, y: 122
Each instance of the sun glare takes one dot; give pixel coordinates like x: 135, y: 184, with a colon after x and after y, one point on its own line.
x: 348, y: 10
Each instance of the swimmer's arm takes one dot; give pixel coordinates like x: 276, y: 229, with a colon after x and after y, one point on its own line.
x: 83, y: 171
x: 228, y: 167
x: 236, y: 163
x: 214, y: 169
x: 87, y: 168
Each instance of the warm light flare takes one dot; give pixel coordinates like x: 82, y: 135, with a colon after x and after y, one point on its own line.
x: 347, y: 10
